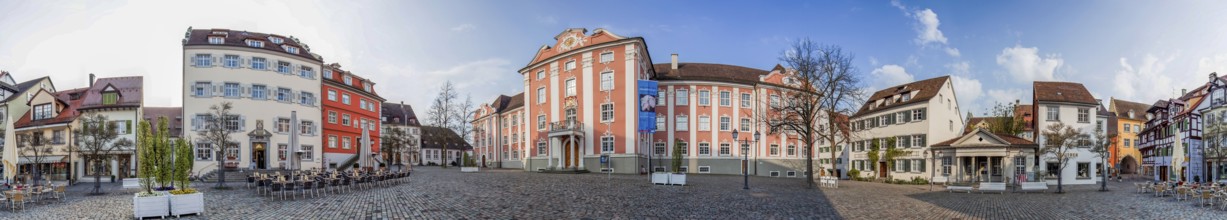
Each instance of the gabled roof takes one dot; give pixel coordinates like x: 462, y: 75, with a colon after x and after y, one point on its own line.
x: 927, y: 88
x: 237, y: 38
x: 709, y: 72
x: 1013, y: 141
x: 1122, y: 108
x: 391, y: 111
x: 23, y: 86
x: 515, y: 101
x: 1068, y: 92
x: 129, y: 88
x: 437, y: 137
x: 65, y: 115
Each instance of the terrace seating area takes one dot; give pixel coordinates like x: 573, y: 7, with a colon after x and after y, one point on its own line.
x: 313, y: 183
x: 17, y: 196
x: 1204, y: 194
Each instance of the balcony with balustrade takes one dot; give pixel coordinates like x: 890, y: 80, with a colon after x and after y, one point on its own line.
x: 566, y: 128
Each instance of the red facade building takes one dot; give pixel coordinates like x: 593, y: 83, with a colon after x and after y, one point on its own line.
x: 350, y: 105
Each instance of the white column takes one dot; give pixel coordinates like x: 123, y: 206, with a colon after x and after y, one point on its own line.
x: 589, y: 90
x: 629, y: 110
x: 550, y: 159
x: 583, y: 150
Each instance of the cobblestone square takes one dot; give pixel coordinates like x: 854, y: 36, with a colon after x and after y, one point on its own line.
x: 434, y: 193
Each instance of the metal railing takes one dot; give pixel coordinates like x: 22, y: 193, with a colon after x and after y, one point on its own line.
x: 566, y: 126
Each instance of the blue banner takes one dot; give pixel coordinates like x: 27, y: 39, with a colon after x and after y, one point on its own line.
x: 647, y: 105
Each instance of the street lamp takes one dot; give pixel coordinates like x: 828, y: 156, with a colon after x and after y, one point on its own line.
x: 745, y: 166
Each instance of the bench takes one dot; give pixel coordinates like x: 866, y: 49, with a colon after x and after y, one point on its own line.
x: 991, y: 187
x: 828, y: 181
x: 1033, y: 186
x: 966, y: 189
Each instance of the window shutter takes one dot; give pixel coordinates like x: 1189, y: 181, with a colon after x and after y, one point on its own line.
x: 217, y: 89
x: 242, y: 123
x: 195, y: 124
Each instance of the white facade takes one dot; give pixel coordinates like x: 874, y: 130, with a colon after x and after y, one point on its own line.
x: 208, y: 85
x: 1068, y: 113
x: 920, y: 124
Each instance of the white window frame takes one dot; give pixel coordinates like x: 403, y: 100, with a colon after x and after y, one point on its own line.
x: 746, y: 124
x: 541, y: 95
x: 570, y: 87
x: 704, y: 149
x: 607, y: 57
x: 704, y: 97
x: 607, y: 112
x: 569, y: 65
x: 726, y: 123
x: 607, y: 83
x: 704, y: 123
x: 681, y: 97
x: 726, y: 98
x: 1053, y: 113
x: 541, y: 122
x: 607, y: 144
x: 745, y: 100
x: 681, y: 123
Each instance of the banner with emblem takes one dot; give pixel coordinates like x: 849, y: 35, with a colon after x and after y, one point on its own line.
x: 647, y: 93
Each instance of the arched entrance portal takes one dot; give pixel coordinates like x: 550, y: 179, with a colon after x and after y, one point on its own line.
x: 1128, y: 165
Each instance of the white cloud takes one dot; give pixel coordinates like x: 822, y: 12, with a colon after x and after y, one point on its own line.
x: 954, y: 52
x: 873, y: 61
x: 1148, y: 80
x: 960, y: 68
x: 928, y: 27
x: 890, y: 75
x: 464, y: 27
x: 1026, y: 65
x: 1005, y: 96
x: 967, y: 89
x: 1215, y: 64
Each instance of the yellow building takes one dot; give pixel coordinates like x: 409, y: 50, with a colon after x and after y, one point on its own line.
x: 1130, y: 120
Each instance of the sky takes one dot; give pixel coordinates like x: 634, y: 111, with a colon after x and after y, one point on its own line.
x: 1140, y: 51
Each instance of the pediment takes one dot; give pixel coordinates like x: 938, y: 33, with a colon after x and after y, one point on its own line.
x: 980, y: 137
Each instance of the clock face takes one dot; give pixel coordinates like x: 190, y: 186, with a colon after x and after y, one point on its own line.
x: 570, y: 42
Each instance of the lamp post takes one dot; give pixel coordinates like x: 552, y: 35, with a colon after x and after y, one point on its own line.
x: 745, y: 166
x: 932, y: 168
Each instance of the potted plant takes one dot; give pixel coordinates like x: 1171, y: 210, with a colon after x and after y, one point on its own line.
x: 185, y: 200
x: 148, y: 203
x: 470, y: 165
x: 677, y: 177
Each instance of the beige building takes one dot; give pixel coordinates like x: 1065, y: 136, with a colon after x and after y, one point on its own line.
x: 913, y: 115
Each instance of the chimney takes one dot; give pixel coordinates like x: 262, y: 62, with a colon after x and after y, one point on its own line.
x: 91, y: 80
x: 1184, y: 91
x: 674, y: 61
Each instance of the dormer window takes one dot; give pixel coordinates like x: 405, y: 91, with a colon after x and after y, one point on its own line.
x: 907, y: 96
x: 276, y: 40
x: 367, y: 87
x: 290, y: 49
x: 217, y: 40
x: 42, y: 111
x: 220, y: 32
x: 349, y: 80
x: 255, y: 43
x: 327, y: 73
x: 110, y: 98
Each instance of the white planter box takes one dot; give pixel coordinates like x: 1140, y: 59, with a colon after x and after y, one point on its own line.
x: 187, y: 204
x: 660, y: 178
x: 468, y: 169
x: 150, y: 206
x: 677, y: 179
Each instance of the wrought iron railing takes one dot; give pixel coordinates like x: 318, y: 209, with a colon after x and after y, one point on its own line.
x: 566, y: 126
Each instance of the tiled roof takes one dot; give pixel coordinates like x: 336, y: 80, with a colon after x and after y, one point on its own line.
x: 171, y: 113
x: 338, y: 79
x: 23, y: 86
x: 436, y: 138
x: 927, y: 90
x: 1013, y: 140
x: 129, y: 88
x: 1123, y: 107
x: 1062, y: 92
x: 65, y: 115
x: 515, y: 101
x: 709, y: 72
x: 392, y: 111
x: 238, y: 38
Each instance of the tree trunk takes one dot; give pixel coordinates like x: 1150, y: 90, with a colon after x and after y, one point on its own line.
x: 1103, y: 186
x: 97, y: 179
x: 1059, y: 178
x: 809, y: 166
x: 221, y: 173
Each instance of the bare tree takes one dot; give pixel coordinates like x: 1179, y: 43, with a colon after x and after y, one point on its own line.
x: 97, y: 140
x: 1061, y: 140
x: 1101, y: 146
x: 395, y: 140
x: 464, y: 114
x: 821, y: 80
x: 217, y: 135
x: 34, y: 147
x: 442, y: 113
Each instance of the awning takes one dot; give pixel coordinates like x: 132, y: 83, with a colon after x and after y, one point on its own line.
x: 43, y: 159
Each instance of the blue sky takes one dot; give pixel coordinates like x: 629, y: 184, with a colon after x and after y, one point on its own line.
x: 1135, y: 50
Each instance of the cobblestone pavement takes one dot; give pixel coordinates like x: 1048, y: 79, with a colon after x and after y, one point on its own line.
x: 434, y: 193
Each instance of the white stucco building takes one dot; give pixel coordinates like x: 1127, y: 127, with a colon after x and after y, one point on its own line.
x: 274, y: 85
x: 914, y: 115
x: 1073, y: 105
